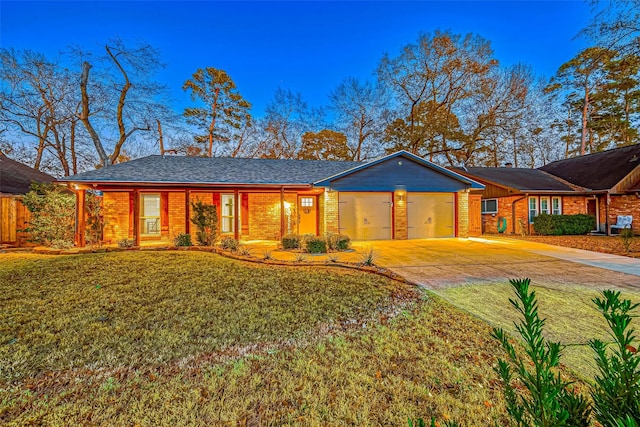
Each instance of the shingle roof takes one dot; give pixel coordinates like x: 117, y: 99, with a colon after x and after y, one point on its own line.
x: 215, y: 170
x: 598, y: 171
x: 519, y: 178
x: 16, y: 178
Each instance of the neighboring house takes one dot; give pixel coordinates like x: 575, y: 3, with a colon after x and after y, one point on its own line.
x: 604, y: 185
x: 15, y: 181
x: 399, y: 196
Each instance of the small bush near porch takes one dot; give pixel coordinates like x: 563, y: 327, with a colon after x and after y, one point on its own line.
x: 191, y: 338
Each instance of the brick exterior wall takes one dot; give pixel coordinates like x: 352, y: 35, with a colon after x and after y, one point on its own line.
x: 400, y: 226
x: 462, y: 213
x: 116, y: 216
x: 505, y: 204
x: 264, y: 215
x: 627, y: 204
x: 329, y: 212
x: 177, y: 217
x: 574, y: 205
x: 571, y: 205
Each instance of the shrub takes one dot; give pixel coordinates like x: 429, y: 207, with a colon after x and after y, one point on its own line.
x: 544, y: 225
x: 183, y: 240
x: 291, y: 241
x: 61, y: 244
x: 229, y: 244
x: 549, y: 402
x: 52, y: 211
x: 626, y: 235
x: 205, y: 218
x: 338, y: 242
x: 616, y: 393
x: 315, y: 245
x: 95, y: 220
x: 368, y: 257
x: 126, y: 243
x: 547, y: 225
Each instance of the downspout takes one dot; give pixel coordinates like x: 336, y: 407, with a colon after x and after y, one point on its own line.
x: 513, y: 213
x: 607, y: 199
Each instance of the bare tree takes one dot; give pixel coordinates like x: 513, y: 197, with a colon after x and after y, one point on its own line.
x: 359, y: 109
x: 121, y: 97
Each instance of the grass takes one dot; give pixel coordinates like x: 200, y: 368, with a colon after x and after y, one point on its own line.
x: 189, y: 338
x: 572, y: 318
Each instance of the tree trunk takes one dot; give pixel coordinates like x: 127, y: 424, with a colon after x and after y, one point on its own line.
x: 84, y: 115
x: 585, y: 112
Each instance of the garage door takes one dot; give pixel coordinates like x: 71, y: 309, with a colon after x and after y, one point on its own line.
x: 430, y: 215
x: 365, y: 216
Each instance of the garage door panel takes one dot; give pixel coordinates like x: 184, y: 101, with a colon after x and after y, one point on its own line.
x: 365, y: 216
x: 430, y: 215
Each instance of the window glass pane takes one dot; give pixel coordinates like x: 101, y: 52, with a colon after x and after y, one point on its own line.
x: 544, y: 205
x: 150, y: 205
x: 228, y: 211
x: 555, y: 206
x: 489, y: 206
x: 533, y: 208
x: 306, y: 201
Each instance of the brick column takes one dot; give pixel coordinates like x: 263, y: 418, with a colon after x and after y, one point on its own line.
x: 400, y: 227
x: 462, y: 214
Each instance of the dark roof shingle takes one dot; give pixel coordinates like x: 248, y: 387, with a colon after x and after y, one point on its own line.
x: 215, y: 170
x: 519, y: 178
x: 16, y: 178
x: 598, y: 171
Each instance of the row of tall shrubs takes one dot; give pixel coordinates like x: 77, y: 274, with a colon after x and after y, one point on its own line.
x: 317, y: 244
x: 563, y: 225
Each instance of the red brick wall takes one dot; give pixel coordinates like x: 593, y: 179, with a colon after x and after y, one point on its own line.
x: 177, y: 218
x: 264, y: 215
x: 624, y: 205
x: 505, y: 204
x: 116, y: 216
x: 574, y: 205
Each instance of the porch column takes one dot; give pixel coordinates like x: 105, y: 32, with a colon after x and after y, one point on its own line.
x: 236, y: 210
x: 187, y: 221
x: 282, y: 218
x: 80, y: 219
x: 136, y: 217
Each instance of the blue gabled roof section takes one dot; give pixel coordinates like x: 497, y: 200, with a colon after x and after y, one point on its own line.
x: 387, y: 174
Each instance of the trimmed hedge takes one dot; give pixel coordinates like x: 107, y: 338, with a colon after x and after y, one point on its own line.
x: 563, y: 225
x: 315, y: 245
x: 291, y: 241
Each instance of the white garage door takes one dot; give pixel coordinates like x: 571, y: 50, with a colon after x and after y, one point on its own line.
x: 430, y: 215
x: 365, y: 216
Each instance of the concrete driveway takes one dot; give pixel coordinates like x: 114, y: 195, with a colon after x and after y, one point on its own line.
x: 441, y: 263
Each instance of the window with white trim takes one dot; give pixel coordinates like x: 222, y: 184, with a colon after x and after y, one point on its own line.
x: 544, y: 205
x: 489, y: 206
x: 227, y: 213
x: 556, y: 206
x: 533, y: 208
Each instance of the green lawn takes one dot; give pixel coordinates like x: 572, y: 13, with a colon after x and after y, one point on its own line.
x: 189, y: 338
x: 572, y: 318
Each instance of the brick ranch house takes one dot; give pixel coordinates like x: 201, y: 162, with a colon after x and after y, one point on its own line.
x: 15, y: 181
x: 604, y: 185
x: 399, y: 196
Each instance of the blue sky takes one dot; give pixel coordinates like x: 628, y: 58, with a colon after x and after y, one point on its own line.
x: 308, y: 47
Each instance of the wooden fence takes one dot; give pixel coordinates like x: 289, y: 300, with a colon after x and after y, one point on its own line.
x: 13, y: 217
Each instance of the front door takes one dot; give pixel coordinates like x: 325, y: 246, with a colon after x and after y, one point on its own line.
x: 308, y: 215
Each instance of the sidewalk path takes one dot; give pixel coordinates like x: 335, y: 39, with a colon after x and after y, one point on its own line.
x: 618, y: 263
